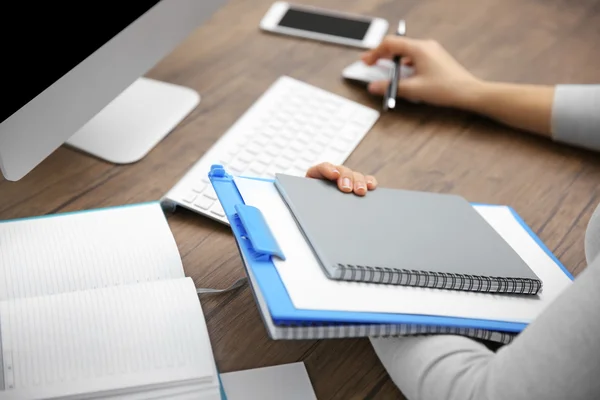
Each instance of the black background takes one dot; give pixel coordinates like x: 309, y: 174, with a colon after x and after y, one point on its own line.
x: 41, y: 41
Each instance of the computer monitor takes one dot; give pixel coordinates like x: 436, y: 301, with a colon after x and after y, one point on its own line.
x: 73, y: 73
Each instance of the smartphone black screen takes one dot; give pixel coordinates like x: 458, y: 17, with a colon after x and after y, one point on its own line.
x: 325, y: 24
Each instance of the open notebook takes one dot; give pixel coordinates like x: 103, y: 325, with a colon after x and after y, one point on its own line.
x: 297, y: 301
x: 96, y: 304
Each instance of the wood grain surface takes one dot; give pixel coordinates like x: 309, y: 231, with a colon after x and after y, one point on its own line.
x: 231, y: 63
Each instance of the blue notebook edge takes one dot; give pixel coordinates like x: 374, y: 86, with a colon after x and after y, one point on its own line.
x: 222, y: 388
x: 280, y: 305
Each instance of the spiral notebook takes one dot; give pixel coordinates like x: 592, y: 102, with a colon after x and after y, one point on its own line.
x: 404, y: 237
x: 297, y: 301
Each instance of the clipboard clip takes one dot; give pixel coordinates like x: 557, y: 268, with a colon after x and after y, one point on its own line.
x: 248, y: 222
x: 255, y: 229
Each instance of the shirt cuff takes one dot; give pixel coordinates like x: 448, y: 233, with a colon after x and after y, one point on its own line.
x: 576, y: 115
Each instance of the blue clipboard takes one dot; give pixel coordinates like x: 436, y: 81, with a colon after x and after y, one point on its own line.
x: 258, y: 246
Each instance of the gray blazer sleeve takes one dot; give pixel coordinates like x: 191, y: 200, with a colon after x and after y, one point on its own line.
x: 576, y: 115
x: 556, y: 357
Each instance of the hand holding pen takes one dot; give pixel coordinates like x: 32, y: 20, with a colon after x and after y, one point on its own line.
x: 432, y: 75
x: 389, y: 100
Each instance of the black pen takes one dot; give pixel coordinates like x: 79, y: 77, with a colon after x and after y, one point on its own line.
x: 389, y: 100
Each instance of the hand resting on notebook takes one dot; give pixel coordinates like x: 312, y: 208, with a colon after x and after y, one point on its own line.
x: 348, y: 181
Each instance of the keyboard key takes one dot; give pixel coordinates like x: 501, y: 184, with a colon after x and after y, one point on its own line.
x: 190, y: 197
x: 210, y: 193
x: 309, y: 156
x: 253, y: 148
x: 291, y: 153
x: 304, y: 137
x: 297, y: 147
x: 302, y: 166
x: 281, y: 142
x: 245, y: 156
x: 337, y: 124
x: 224, y: 161
x: 269, y: 132
x: 264, y: 158
x: 238, y: 165
x: 199, y: 188
x: 283, y: 164
x: 339, y: 145
x: 217, y: 209
x: 272, y: 150
x: 243, y: 141
x: 297, y: 171
x: 328, y: 133
x: 316, y: 148
x: 262, y: 140
x: 288, y: 134
x: 204, y: 202
x: 257, y: 168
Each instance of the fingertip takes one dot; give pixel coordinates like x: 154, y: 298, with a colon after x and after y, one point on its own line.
x: 371, y: 183
x: 360, y: 191
x: 345, y: 184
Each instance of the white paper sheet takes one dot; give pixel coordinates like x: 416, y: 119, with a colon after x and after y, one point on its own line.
x: 288, y: 381
x: 86, y: 250
x: 310, y: 289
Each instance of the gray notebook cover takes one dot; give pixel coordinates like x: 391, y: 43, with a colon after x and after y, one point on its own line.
x: 417, y: 236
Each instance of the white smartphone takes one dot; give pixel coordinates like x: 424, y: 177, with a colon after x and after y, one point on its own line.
x: 324, y: 25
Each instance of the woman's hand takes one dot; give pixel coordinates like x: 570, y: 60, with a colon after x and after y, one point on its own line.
x: 438, y: 78
x: 347, y: 180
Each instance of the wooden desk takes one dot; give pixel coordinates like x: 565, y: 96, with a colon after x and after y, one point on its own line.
x: 231, y: 63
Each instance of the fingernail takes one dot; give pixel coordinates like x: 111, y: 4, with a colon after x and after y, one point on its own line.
x: 360, y: 187
x: 346, y: 183
x: 336, y: 171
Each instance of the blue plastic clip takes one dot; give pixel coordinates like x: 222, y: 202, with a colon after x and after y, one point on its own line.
x: 217, y: 171
x: 258, y: 233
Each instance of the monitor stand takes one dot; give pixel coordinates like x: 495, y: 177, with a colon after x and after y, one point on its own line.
x: 135, y: 121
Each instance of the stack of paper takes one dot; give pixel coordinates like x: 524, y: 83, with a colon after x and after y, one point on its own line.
x: 297, y: 301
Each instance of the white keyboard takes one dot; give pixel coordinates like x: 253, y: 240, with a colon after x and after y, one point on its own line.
x: 291, y: 127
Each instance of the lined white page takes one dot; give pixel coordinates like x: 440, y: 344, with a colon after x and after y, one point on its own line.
x: 106, y: 339
x: 310, y: 289
x: 86, y: 250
